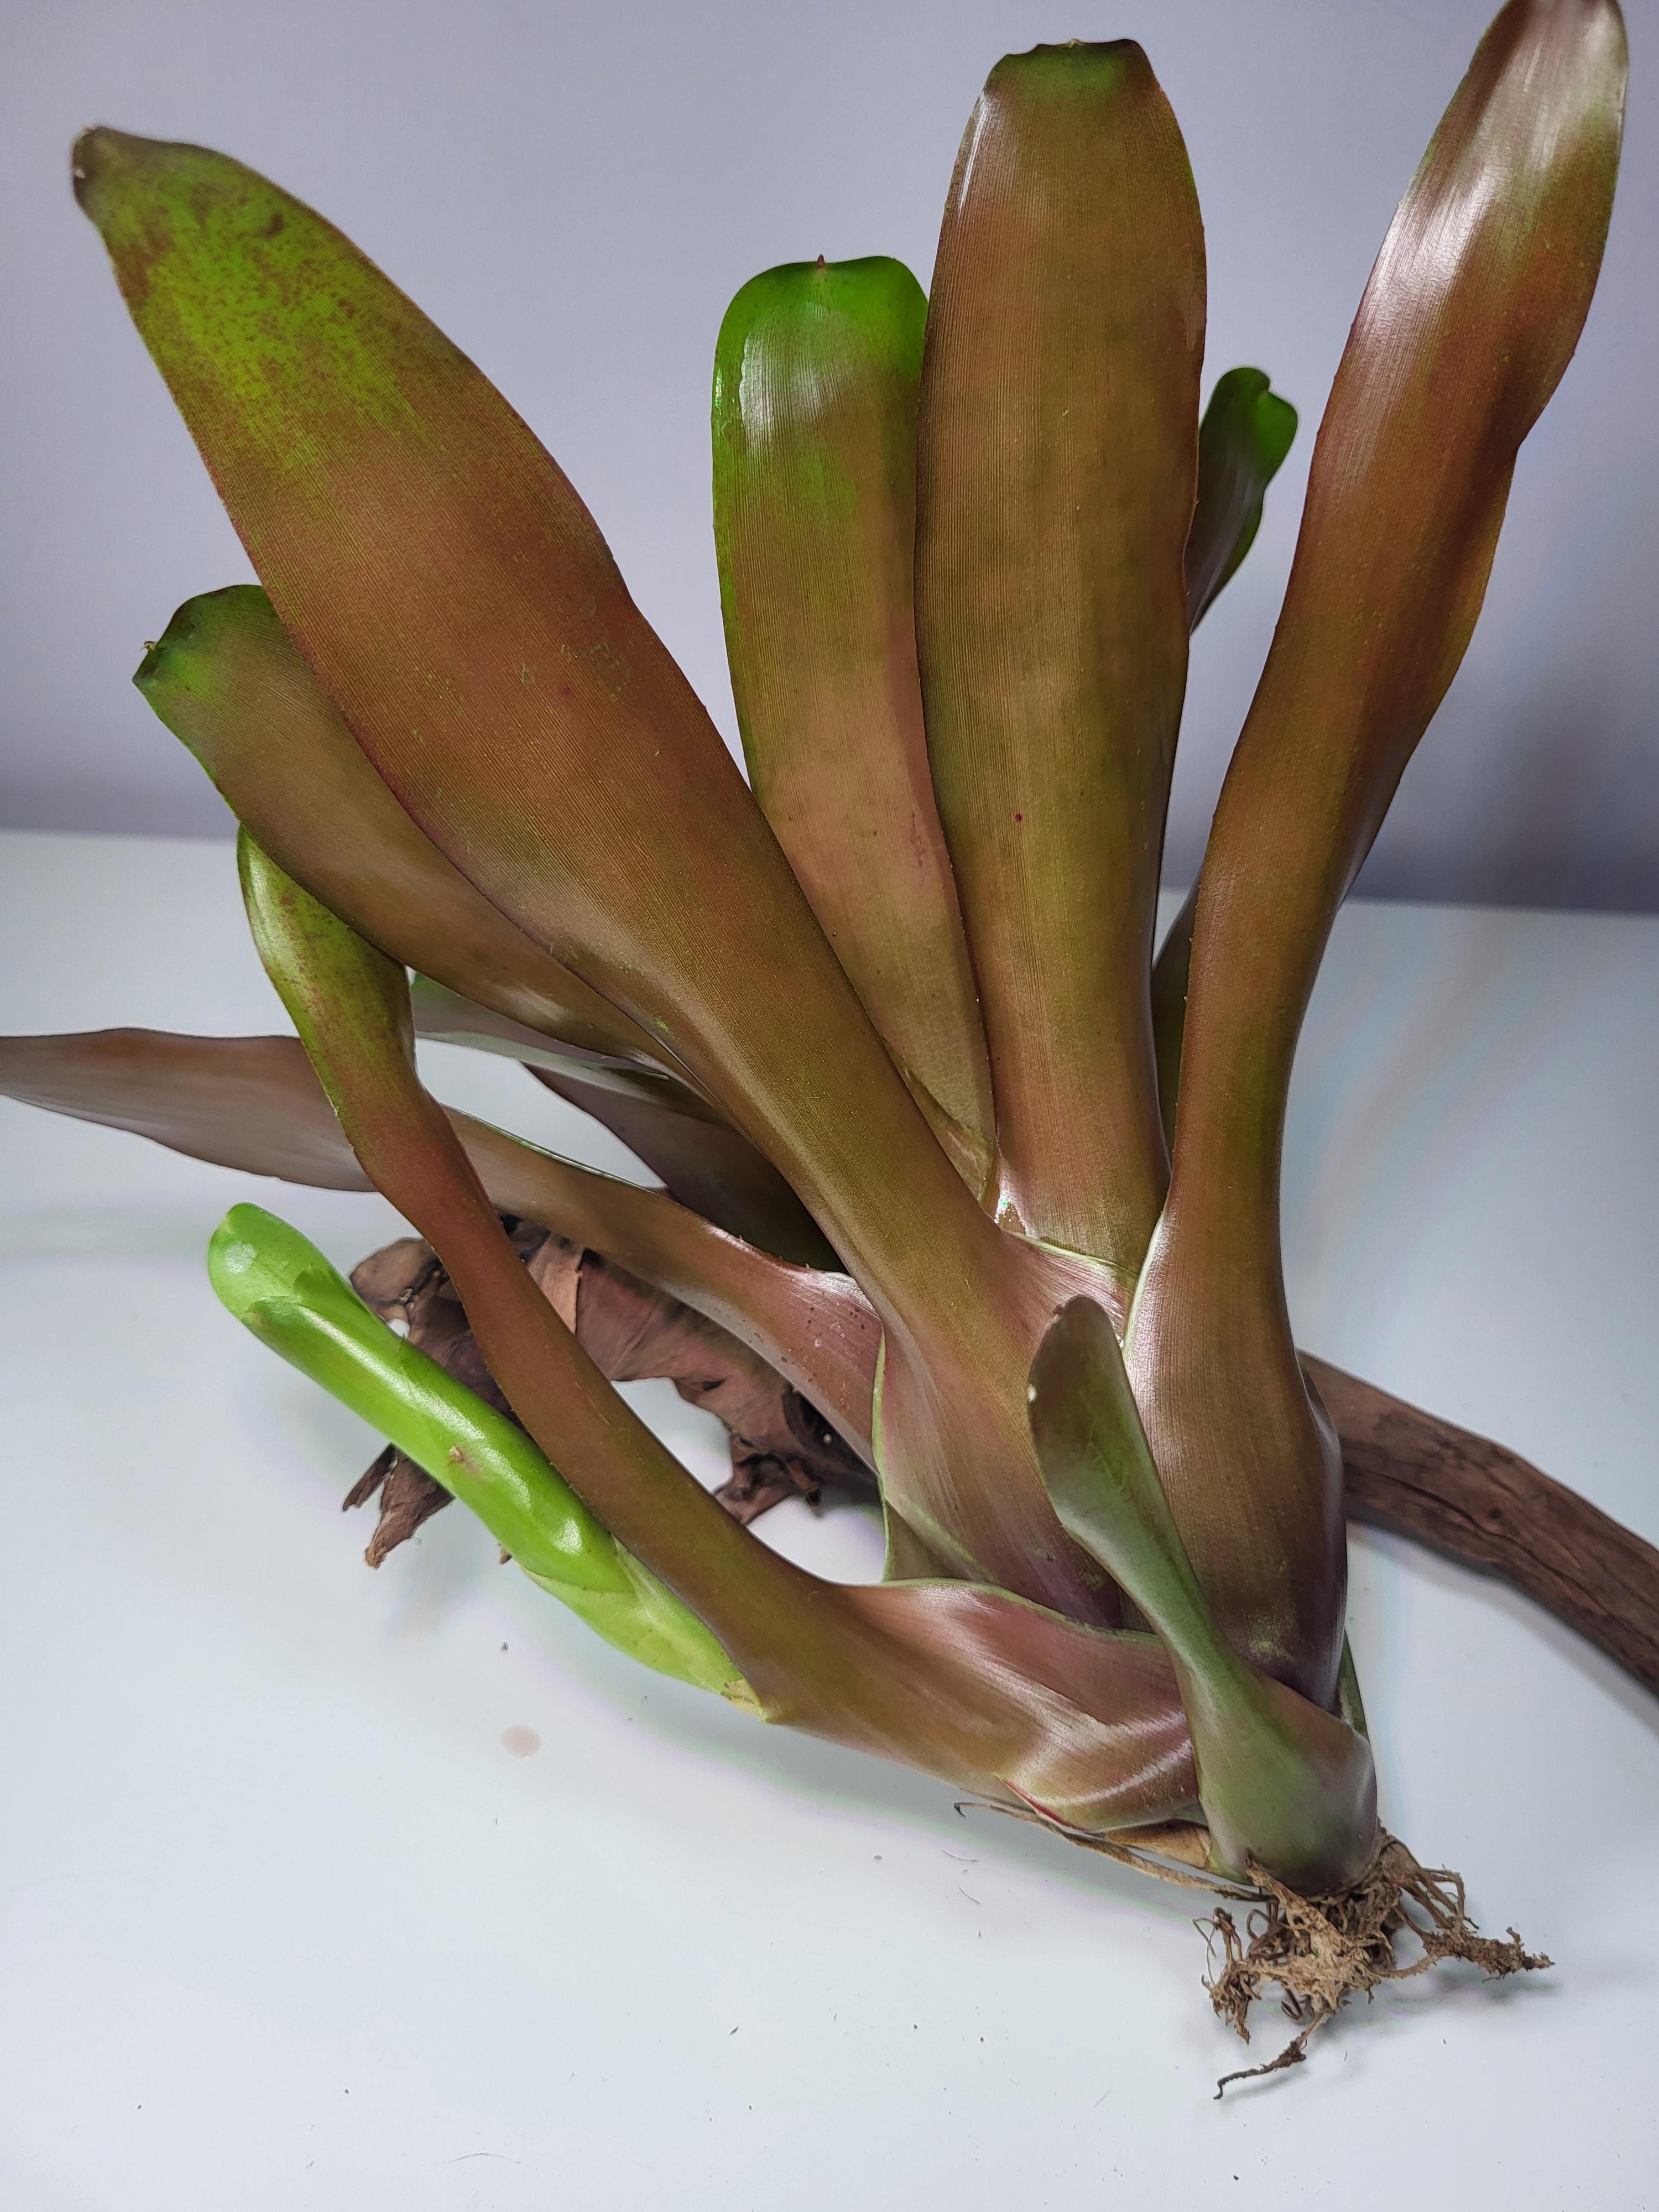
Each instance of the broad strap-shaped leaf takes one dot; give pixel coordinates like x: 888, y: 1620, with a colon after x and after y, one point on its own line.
x: 460, y: 607
x: 493, y: 667
x: 1057, y: 469
x: 970, y: 1683
x: 228, y: 681
x: 350, y: 1007
x: 1469, y: 319
x: 248, y: 1103
x: 816, y: 376
x: 1243, y: 440
x: 1282, y: 1783
x: 282, y: 1288
x: 701, y: 1159
x: 255, y: 1105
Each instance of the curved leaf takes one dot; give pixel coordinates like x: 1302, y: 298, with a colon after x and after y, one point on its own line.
x: 461, y: 608
x: 817, y: 1330
x: 816, y: 375
x: 1471, y: 315
x: 706, y: 1166
x: 1243, y: 440
x: 246, y: 1103
x: 1282, y: 1783
x: 351, y: 1005
x: 283, y: 1289
x: 1057, y: 467
x: 254, y: 1103
x: 228, y: 680
x: 700, y: 1160
x: 970, y: 1683
x: 493, y: 667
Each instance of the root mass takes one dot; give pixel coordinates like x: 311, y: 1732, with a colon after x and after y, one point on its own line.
x: 1321, y: 1951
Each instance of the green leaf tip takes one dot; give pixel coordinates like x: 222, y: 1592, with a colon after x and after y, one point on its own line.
x: 195, y: 632
x: 1247, y: 431
x: 881, y: 307
x: 1085, y: 67
x: 185, y: 227
x: 282, y: 1288
x: 817, y: 376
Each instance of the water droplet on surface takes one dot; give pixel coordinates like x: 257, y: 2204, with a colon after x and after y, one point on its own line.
x: 520, y: 1743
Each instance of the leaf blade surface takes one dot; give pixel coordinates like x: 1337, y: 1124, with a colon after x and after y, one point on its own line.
x: 1057, y: 469
x: 816, y: 376
x: 1470, y: 316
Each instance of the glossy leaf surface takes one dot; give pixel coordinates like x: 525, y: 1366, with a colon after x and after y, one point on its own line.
x: 1282, y: 1781
x: 229, y: 682
x: 1243, y: 440
x: 462, y: 611
x: 967, y: 1683
x: 461, y: 608
x: 816, y: 377
x: 1057, y: 469
x: 1469, y: 319
x: 283, y: 1289
x: 246, y: 1103
x: 351, y: 1005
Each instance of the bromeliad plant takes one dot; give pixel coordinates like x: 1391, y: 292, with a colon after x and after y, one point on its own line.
x: 961, y: 1194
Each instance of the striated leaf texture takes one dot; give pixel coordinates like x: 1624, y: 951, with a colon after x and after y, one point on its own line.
x: 1058, y: 451
x: 248, y: 1103
x: 967, y: 1683
x: 816, y: 377
x: 255, y: 1105
x: 460, y: 607
x: 228, y: 682
x: 1470, y: 317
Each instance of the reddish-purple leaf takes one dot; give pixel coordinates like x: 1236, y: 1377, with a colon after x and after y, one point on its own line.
x: 1057, y: 468
x: 1470, y: 317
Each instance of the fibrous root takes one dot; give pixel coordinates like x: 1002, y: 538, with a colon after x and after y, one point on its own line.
x: 1321, y: 1951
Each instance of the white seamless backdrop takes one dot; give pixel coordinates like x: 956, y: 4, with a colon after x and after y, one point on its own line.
x: 575, y: 188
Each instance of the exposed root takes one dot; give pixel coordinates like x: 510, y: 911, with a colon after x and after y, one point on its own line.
x: 1319, y: 1951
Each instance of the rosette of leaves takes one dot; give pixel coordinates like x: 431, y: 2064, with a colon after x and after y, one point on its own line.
x: 962, y: 1193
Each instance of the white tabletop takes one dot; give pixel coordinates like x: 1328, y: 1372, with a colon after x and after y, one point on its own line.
x: 285, y: 1925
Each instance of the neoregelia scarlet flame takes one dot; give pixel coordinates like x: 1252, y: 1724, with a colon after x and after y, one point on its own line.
x: 960, y: 1190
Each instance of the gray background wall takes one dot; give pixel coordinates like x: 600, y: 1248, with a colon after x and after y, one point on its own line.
x: 574, y: 189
